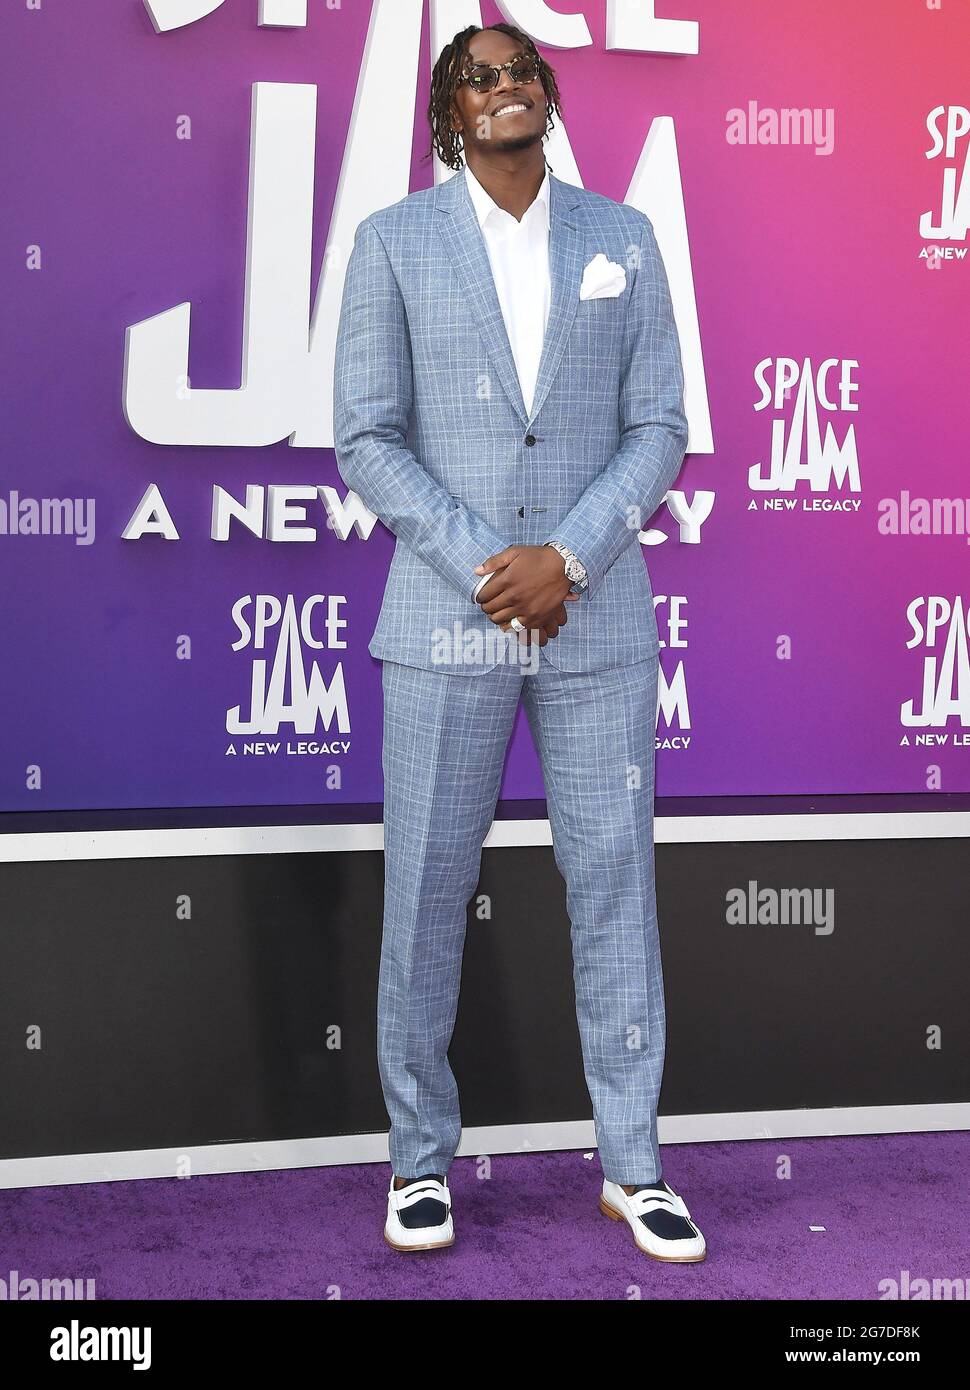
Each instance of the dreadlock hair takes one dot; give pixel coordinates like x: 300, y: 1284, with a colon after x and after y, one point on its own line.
x: 445, y: 80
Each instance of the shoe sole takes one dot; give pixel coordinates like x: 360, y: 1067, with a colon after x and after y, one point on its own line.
x: 615, y: 1215
x: 432, y: 1245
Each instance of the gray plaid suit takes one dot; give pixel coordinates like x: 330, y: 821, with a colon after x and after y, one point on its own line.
x: 431, y: 431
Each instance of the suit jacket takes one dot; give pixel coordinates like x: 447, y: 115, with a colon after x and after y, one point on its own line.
x: 431, y: 431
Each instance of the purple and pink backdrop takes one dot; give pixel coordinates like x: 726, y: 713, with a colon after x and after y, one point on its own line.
x: 814, y: 630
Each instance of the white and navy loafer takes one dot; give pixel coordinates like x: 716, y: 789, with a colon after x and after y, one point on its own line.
x: 659, y: 1219
x: 419, y: 1215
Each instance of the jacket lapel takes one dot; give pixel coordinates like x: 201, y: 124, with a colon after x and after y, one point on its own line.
x: 465, y: 244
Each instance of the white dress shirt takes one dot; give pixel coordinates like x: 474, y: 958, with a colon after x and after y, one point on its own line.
x: 518, y: 253
x: 519, y: 256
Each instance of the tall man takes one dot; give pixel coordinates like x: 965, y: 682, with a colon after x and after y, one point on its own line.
x: 508, y: 399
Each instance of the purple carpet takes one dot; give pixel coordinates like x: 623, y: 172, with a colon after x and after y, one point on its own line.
x: 893, y: 1207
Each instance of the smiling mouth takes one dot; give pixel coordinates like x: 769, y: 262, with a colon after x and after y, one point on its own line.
x: 515, y: 109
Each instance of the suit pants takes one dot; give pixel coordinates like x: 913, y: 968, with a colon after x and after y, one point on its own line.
x: 445, y: 740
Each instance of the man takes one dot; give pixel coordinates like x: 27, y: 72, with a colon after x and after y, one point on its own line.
x: 508, y: 400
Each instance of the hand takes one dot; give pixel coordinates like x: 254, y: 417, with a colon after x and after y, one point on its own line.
x: 529, y: 583
x: 545, y: 632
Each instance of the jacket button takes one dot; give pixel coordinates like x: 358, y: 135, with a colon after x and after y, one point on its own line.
x: 530, y: 439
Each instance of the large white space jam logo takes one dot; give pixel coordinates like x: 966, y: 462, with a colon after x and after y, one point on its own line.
x: 949, y: 128
x: 939, y: 627
x: 286, y: 696
x: 802, y: 459
x: 289, y: 316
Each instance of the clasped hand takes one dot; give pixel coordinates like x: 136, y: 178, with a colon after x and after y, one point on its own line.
x: 529, y: 583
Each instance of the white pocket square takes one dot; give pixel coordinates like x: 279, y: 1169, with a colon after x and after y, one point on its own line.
x: 602, y: 279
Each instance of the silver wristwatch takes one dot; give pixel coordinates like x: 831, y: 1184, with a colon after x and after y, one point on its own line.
x: 575, y: 569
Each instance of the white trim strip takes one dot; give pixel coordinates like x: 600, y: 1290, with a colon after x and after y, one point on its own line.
x: 188, y: 841
x: 255, y: 1157
x: 55, y: 845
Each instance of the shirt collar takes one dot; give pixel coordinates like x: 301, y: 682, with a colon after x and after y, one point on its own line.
x: 485, y: 205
